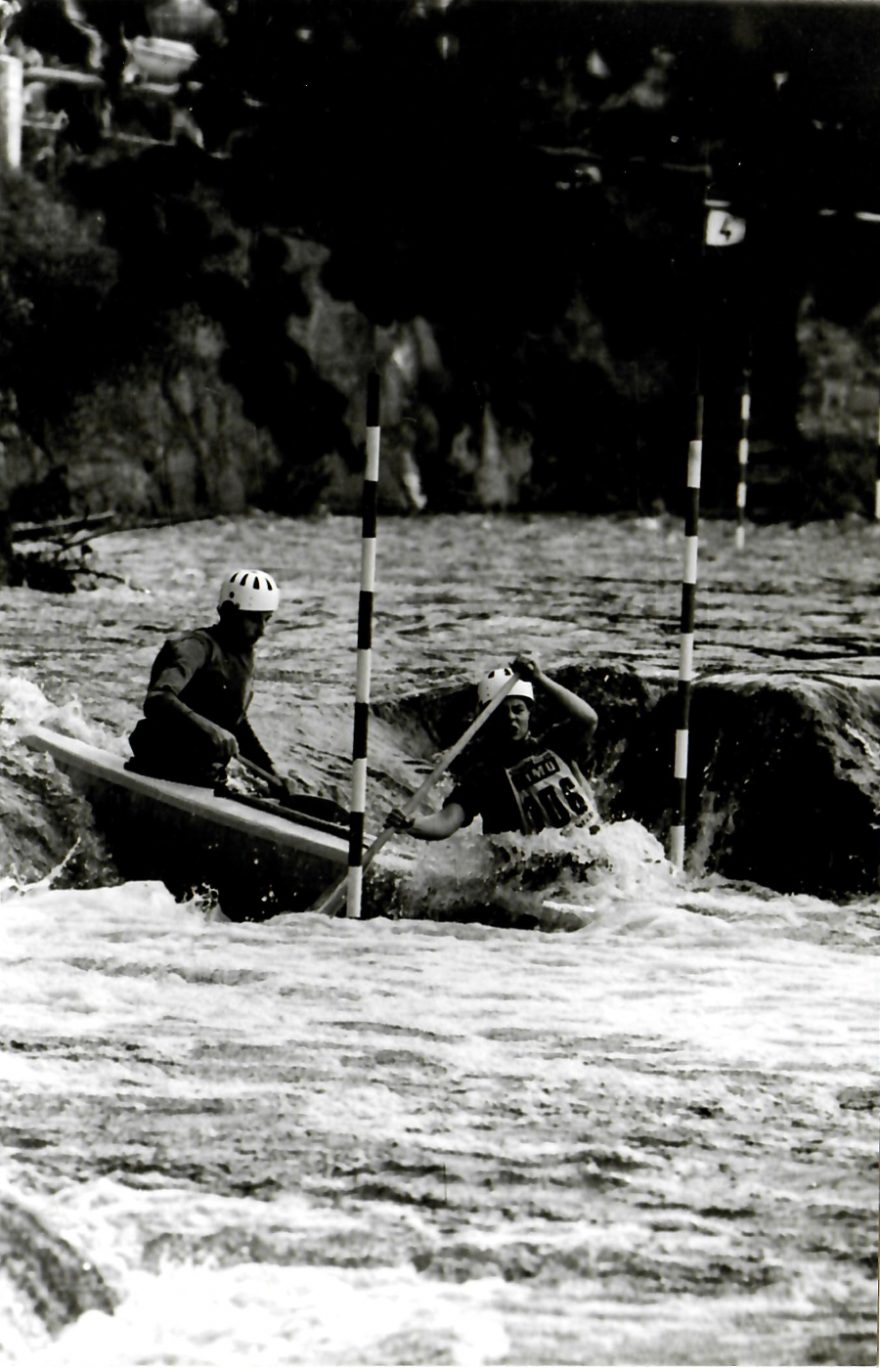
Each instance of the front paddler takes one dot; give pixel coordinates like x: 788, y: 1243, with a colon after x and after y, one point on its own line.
x: 520, y: 781
x: 201, y: 685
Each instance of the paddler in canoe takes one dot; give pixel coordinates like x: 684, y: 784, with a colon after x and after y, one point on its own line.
x: 201, y: 685
x: 520, y: 781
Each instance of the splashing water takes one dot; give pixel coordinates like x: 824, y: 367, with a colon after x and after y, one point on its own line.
x: 412, y: 1140
x: 555, y: 880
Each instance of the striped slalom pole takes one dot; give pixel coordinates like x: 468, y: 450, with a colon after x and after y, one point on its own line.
x: 742, y: 457
x: 369, y: 505
x: 686, y: 649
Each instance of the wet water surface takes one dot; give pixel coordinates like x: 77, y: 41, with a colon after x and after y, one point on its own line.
x: 650, y: 1139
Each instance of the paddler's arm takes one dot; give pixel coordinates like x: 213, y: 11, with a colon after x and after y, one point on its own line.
x: 174, y: 668
x: 527, y: 667
x: 251, y: 748
x: 162, y: 702
x: 434, y: 826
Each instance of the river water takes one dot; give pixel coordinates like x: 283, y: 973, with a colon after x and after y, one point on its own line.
x: 650, y: 1139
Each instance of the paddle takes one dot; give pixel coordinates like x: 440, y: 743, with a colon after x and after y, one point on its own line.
x: 271, y: 779
x: 307, y: 804
x: 333, y: 900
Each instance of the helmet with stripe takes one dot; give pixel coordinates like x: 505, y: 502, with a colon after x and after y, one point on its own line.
x: 253, y: 591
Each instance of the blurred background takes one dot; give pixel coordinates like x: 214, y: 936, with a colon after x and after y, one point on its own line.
x: 217, y: 215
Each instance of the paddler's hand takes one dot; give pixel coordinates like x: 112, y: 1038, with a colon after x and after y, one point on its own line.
x: 223, y: 743
x: 528, y: 667
x: 397, y: 820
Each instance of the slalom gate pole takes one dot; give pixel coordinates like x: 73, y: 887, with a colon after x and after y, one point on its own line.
x: 686, y: 646
x: 369, y: 506
x: 877, y: 474
x: 742, y: 456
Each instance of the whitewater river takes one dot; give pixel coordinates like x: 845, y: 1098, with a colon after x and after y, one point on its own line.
x: 647, y: 1140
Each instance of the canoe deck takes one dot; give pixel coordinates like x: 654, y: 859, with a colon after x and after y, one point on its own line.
x: 258, y: 862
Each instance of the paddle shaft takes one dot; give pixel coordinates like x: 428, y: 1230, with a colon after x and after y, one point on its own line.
x: 271, y: 779
x: 335, y: 898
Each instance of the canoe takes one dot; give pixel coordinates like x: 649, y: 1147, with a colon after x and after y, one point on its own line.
x: 258, y: 859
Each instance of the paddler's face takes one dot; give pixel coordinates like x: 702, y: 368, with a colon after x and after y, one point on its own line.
x: 514, y: 718
x: 250, y: 626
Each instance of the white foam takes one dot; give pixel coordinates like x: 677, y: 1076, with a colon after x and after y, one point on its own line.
x: 264, y: 1315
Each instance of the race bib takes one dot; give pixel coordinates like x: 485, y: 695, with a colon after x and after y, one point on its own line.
x: 548, y: 793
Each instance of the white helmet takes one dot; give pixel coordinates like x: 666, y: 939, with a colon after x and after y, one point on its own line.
x: 252, y: 591
x: 496, y: 679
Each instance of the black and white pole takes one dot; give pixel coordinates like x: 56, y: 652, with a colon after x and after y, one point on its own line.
x: 742, y: 458
x: 686, y: 646
x: 369, y: 506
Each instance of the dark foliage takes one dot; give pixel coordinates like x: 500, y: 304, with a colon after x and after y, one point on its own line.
x: 527, y: 175
x: 56, y: 287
